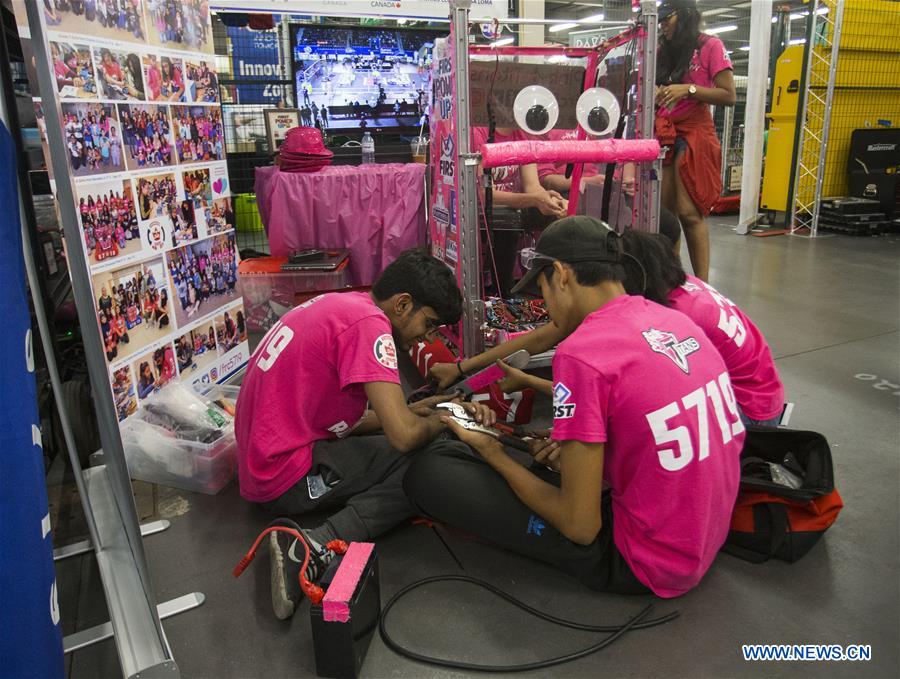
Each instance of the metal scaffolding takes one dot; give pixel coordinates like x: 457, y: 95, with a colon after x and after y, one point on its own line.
x: 822, y: 46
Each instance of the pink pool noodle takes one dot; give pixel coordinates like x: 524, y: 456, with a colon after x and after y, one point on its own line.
x: 598, y: 151
x: 336, y: 604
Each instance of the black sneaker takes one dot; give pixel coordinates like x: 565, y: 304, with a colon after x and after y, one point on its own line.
x: 286, y: 557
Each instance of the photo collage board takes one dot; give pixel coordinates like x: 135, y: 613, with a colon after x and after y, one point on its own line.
x: 145, y: 143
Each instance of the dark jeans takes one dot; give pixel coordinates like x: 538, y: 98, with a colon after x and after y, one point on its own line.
x: 772, y: 422
x: 454, y: 486
x: 365, y: 479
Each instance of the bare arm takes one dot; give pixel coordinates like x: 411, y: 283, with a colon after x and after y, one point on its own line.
x: 517, y: 201
x: 530, y: 182
x: 573, y: 508
x: 556, y: 182
x: 369, y: 424
x: 723, y: 94
x: 405, y: 430
x: 534, y: 342
x: 516, y: 380
x: 533, y: 195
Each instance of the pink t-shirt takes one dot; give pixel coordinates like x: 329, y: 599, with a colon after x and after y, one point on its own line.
x: 757, y: 387
x: 645, y: 380
x: 506, y: 177
x: 710, y: 59
x: 154, y: 82
x: 305, y: 383
x: 544, y: 169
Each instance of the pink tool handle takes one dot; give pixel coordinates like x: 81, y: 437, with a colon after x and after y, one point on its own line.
x: 486, y: 377
x: 598, y: 151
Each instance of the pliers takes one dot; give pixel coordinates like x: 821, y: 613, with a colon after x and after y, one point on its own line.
x: 462, y: 417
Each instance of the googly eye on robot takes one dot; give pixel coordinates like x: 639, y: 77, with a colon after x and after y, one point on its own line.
x: 598, y: 111
x: 536, y: 109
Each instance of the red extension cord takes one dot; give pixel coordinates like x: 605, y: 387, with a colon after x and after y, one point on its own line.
x: 312, y: 591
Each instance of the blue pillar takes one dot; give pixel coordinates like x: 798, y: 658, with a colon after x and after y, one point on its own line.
x: 30, y: 634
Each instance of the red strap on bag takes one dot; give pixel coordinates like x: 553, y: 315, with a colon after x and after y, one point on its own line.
x: 816, y: 515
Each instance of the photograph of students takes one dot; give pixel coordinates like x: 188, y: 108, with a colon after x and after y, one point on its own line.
x: 119, y: 75
x: 73, y: 70
x: 198, y: 133
x: 146, y: 135
x: 109, y: 220
x: 93, y: 140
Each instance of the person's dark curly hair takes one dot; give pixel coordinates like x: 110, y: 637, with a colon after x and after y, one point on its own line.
x: 651, y: 267
x: 428, y: 281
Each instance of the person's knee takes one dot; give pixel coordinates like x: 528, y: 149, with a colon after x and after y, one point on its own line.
x: 431, y: 470
x: 689, y: 219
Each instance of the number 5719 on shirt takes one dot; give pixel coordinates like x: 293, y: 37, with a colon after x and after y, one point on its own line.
x: 726, y: 414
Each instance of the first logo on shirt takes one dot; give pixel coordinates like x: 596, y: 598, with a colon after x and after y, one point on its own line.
x: 386, y: 351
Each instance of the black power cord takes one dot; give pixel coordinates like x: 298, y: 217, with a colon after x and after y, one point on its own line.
x: 615, y: 631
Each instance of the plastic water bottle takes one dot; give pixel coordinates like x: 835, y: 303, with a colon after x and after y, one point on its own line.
x: 368, y: 149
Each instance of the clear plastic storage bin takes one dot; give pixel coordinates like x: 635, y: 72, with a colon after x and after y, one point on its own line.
x: 153, y: 454
x: 269, y: 292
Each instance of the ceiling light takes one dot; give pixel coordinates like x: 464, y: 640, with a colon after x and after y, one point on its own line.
x: 798, y: 41
x: 715, y: 30
x: 503, y: 41
x: 745, y: 48
x: 774, y: 20
x: 593, y: 19
x: 556, y: 28
x: 822, y: 10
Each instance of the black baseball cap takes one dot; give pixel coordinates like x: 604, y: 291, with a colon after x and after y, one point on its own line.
x: 571, y: 240
x: 669, y: 7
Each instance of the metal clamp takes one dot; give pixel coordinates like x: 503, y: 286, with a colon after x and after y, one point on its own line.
x: 471, y: 159
x: 465, y: 420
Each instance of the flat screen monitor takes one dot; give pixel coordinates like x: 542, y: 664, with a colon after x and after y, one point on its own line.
x: 366, y: 78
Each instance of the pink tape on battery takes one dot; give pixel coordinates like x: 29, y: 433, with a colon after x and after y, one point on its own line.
x: 597, y: 151
x: 336, y: 604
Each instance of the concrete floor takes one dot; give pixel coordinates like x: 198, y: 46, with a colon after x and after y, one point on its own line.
x: 829, y: 308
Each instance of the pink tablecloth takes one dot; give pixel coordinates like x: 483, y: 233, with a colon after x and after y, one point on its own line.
x: 376, y: 211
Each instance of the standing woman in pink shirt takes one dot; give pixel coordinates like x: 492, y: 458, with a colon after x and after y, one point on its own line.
x: 693, y: 72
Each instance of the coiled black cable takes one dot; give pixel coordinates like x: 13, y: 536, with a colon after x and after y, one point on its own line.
x: 615, y: 631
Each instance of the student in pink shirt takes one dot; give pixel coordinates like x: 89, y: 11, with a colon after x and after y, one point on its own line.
x: 757, y: 386
x: 514, y: 187
x: 641, y: 400
x: 553, y: 175
x: 517, y: 186
x: 653, y: 270
x: 322, y: 423
x: 154, y: 78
